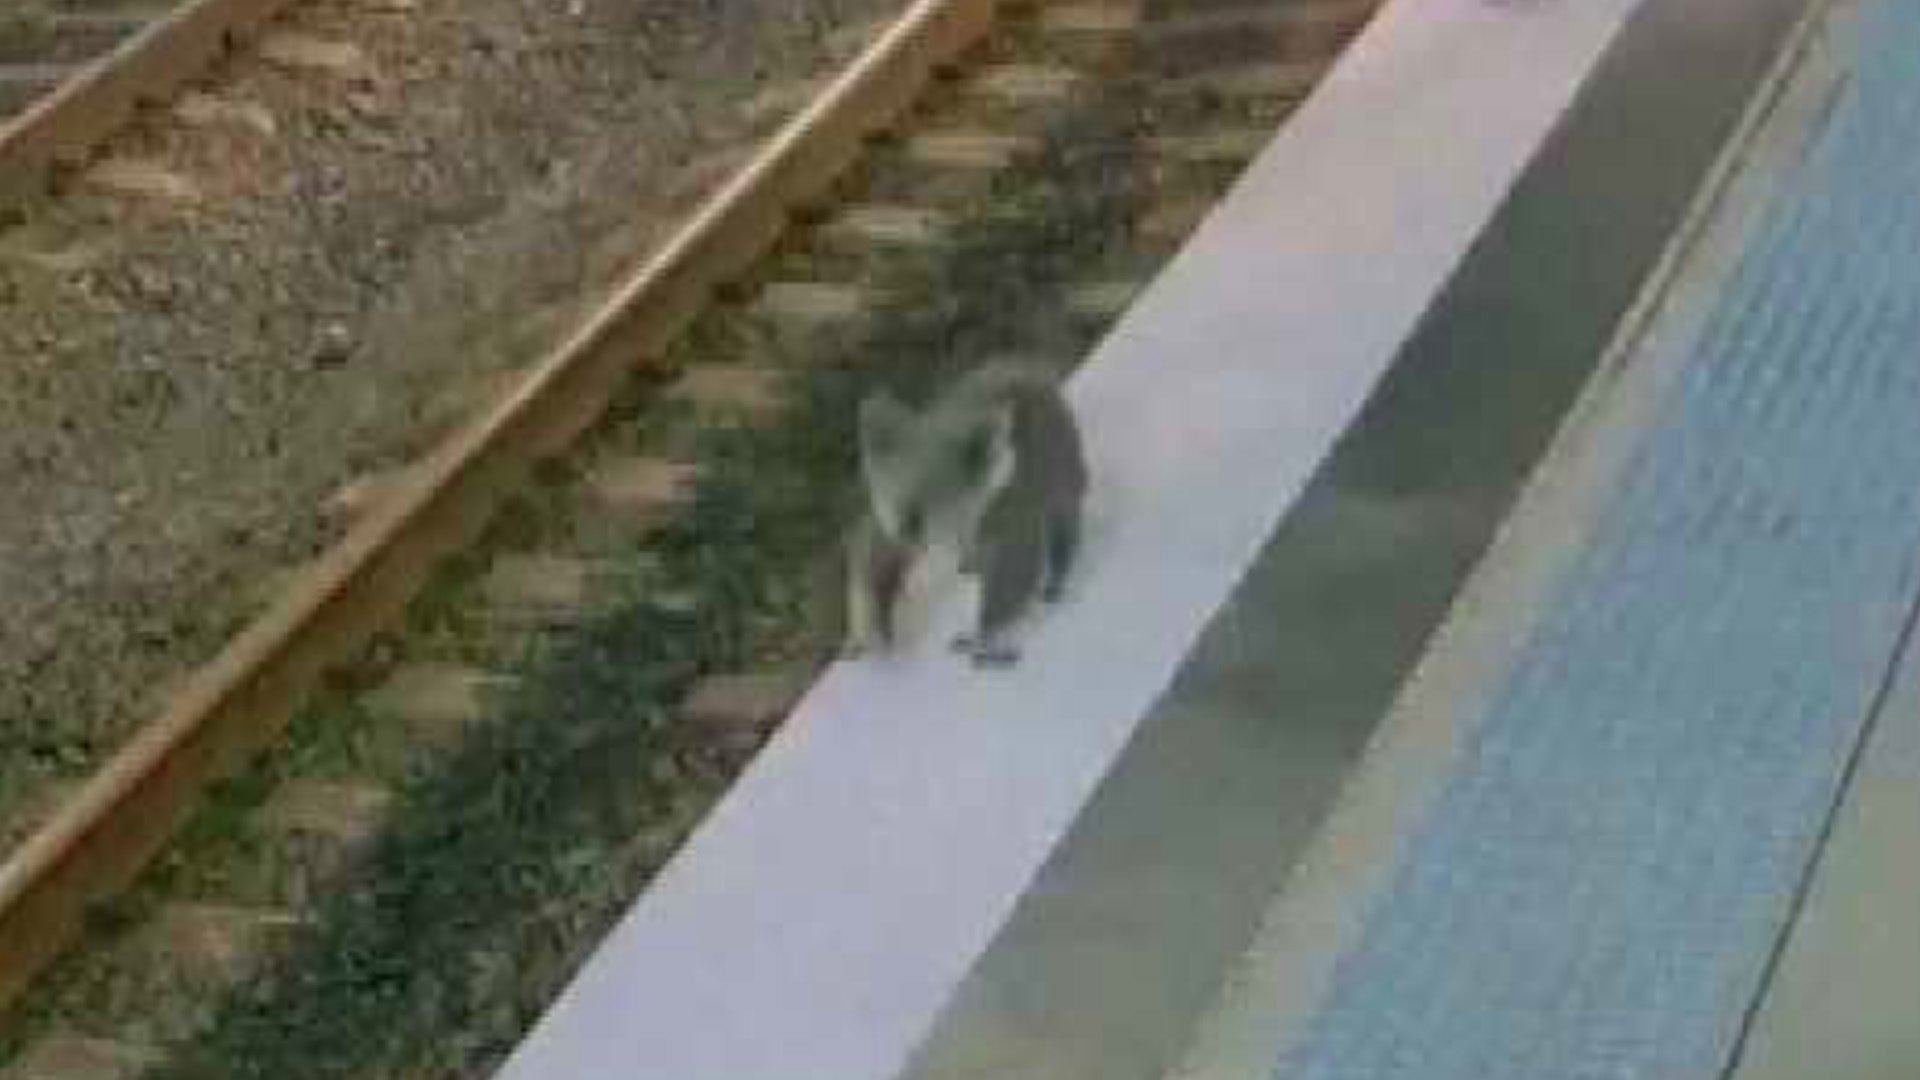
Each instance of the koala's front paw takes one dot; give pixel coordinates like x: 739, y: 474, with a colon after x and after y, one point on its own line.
x: 986, y: 654
x: 996, y: 657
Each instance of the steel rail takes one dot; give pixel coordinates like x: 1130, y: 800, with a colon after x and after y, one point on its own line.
x: 63, y: 127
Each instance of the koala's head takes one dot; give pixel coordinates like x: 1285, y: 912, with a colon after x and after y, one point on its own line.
x: 929, y: 475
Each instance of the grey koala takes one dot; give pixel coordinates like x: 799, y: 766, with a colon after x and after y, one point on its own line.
x: 994, y: 468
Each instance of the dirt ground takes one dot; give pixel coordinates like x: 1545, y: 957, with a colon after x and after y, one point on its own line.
x: 363, y: 235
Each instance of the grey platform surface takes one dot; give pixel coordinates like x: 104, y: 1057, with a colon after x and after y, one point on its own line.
x: 1600, y: 882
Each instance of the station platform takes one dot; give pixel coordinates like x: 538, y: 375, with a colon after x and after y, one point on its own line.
x: 1649, y: 805
x: 1491, y: 655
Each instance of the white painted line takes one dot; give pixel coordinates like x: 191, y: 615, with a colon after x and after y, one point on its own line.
x: 825, y: 912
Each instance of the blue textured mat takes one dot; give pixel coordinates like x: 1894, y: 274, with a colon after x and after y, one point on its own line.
x: 1596, y: 891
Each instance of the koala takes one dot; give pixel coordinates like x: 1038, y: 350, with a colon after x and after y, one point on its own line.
x: 996, y: 471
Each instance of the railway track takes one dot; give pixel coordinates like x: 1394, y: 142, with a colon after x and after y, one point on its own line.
x: 982, y: 180
x: 72, y: 71
x: 42, y: 46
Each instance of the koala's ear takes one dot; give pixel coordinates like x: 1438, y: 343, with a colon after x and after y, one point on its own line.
x: 883, y: 424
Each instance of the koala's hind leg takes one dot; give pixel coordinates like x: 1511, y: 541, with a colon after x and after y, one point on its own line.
x: 876, y: 570
x: 1010, y: 576
x: 1063, y: 547
x: 863, y: 631
x: 969, y: 565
